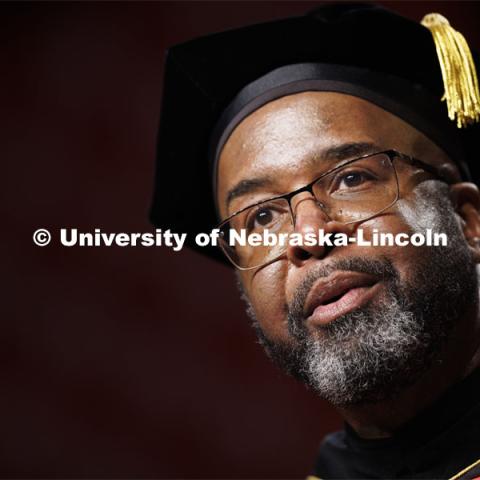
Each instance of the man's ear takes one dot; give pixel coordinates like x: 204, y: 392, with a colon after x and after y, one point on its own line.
x: 466, y: 201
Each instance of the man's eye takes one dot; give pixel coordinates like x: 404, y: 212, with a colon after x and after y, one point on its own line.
x: 351, y: 180
x: 261, y: 218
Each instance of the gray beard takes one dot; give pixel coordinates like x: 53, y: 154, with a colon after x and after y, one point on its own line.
x: 372, y: 353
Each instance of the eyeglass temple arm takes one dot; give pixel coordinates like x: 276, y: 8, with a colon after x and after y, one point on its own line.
x: 424, y: 166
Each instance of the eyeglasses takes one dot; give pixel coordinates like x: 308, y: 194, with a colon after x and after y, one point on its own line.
x: 352, y: 192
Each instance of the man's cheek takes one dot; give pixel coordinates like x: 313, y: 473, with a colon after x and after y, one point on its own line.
x: 267, y: 293
x: 404, y: 258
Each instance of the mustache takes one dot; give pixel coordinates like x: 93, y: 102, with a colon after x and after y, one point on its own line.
x: 382, y: 268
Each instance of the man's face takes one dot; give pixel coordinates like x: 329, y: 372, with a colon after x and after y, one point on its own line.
x: 390, y: 309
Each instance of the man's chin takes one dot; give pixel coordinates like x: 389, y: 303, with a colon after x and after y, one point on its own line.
x: 365, y: 356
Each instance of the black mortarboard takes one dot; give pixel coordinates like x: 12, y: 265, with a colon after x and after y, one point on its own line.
x: 212, y: 82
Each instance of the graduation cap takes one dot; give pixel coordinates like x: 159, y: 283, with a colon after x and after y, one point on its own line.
x: 422, y: 72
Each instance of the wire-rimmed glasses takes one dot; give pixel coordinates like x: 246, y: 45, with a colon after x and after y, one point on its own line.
x: 352, y: 192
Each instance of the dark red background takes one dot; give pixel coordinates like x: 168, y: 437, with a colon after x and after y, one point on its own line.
x: 127, y: 362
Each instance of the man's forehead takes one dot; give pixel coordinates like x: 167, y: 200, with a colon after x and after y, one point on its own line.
x: 304, y: 117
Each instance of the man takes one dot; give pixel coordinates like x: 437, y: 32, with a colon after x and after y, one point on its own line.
x: 333, y: 122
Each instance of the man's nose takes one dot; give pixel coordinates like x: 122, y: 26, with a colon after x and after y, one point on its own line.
x: 310, y: 217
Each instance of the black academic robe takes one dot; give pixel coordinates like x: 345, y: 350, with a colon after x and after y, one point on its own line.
x: 439, y: 443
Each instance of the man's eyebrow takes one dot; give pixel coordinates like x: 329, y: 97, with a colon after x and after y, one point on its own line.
x: 347, y: 151
x: 338, y: 152
x: 246, y: 186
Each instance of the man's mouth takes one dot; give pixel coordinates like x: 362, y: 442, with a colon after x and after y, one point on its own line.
x: 338, y: 294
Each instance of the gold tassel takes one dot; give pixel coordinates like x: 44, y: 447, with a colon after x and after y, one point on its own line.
x: 458, y: 70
